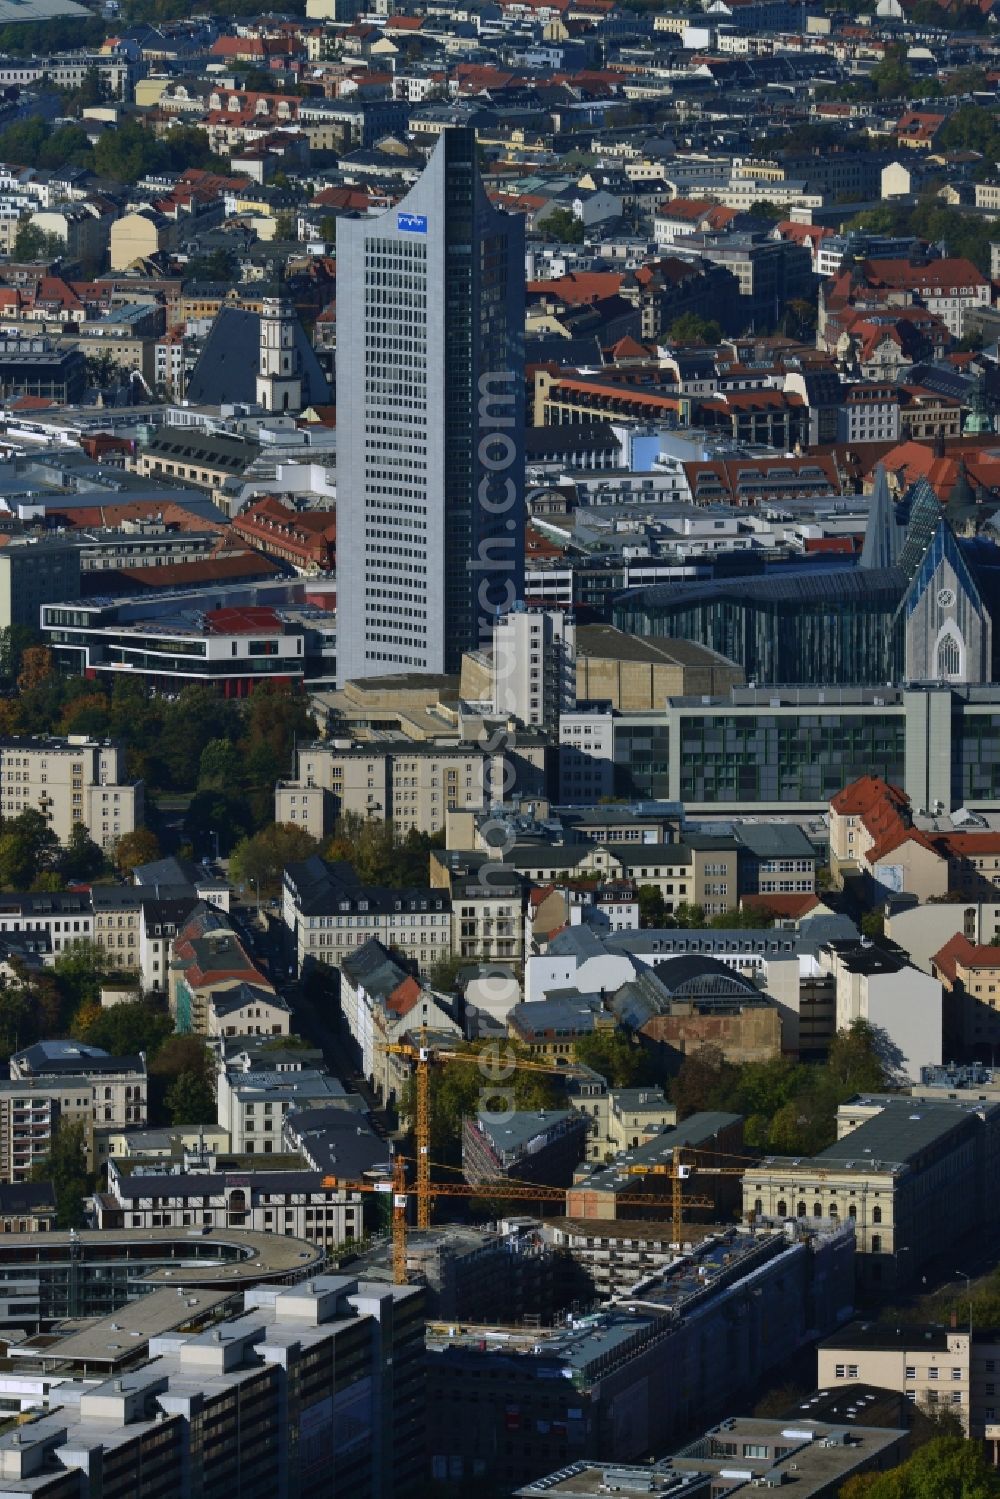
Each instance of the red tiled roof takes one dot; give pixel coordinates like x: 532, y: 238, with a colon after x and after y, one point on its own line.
x: 788, y: 906
x: 959, y: 950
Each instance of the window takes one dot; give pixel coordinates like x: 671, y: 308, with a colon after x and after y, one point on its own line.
x: 911, y: 1371
x: 876, y: 1215
x: 876, y: 1243
x: 932, y: 1373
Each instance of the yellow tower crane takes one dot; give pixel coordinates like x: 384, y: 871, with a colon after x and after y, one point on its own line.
x: 424, y: 1057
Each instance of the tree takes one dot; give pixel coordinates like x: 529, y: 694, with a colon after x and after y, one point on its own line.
x: 763, y: 208
x: 32, y: 243
x: 652, y: 911
x: 220, y: 767
x: 620, y: 1060
x: 141, y: 846
x: 65, y: 1166
x: 37, y: 666
x: 125, y: 1029
x: 284, y: 227
x: 563, y: 226
x: 79, y: 973
x: 873, y: 923
x: 17, y: 1018
x: 82, y: 859
x: 26, y: 844
x: 128, y: 152
x: 689, y: 328
x: 261, y: 860
x: 217, y: 813
x: 946, y: 1468
x: 703, y: 1078
x: 191, y: 1100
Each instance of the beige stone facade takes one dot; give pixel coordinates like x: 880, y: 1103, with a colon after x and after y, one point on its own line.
x: 71, y: 780
x: 412, y: 783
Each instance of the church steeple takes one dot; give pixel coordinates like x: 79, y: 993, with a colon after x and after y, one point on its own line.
x: 279, y: 372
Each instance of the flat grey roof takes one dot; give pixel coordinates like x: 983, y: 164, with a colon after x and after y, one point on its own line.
x: 126, y: 1332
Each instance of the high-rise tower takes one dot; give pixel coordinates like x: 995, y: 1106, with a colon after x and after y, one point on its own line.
x: 430, y: 422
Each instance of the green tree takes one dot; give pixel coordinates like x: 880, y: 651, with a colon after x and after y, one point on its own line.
x: 260, y: 860
x: 652, y: 911
x: 129, y: 152
x: 81, y: 859
x: 563, y: 226
x: 459, y: 1090
x: 125, y: 1029
x: 284, y: 227
x: 616, y: 1056
x: 690, y: 328
x: 703, y: 1081
x: 891, y: 78
x: 79, y: 973
x: 32, y: 243
x: 946, y: 1468
x: 763, y: 208
x: 873, y: 923
x: 216, y: 812
x: 65, y: 1166
x: 191, y: 1100
x: 18, y: 1025
x: 220, y: 767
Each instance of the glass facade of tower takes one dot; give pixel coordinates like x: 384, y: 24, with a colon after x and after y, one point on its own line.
x: 772, y: 759
x: 836, y: 627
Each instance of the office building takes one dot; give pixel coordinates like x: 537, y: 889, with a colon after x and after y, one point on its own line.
x: 95, y: 1272
x: 430, y: 415
x: 36, y: 570
x: 815, y: 1455
x: 313, y: 1380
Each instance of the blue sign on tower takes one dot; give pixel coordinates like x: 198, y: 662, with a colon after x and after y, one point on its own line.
x: 413, y: 223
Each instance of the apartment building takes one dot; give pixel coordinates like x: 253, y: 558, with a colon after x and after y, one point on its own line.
x: 32, y: 1107
x: 71, y: 780
x: 876, y: 982
x: 534, y: 666
x: 27, y: 1208
x: 914, y: 1179
x: 526, y: 1145
x: 312, y: 1379
x: 414, y: 783
x: 381, y: 1003
x: 214, y: 987
x: 253, y: 1100
x: 328, y: 913
x: 231, y: 1194
x: 970, y: 976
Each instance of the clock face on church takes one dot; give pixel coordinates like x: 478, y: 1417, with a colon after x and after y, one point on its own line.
x: 945, y: 598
